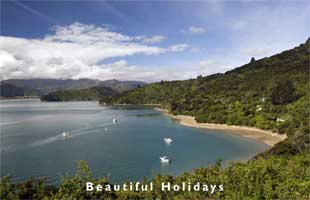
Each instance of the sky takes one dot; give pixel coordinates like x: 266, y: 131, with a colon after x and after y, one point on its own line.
x: 144, y: 40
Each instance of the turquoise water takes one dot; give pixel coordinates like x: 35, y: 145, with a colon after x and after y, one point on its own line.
x: 32, y: 144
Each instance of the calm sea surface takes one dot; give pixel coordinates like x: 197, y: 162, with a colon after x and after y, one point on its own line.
x: 32, y: 144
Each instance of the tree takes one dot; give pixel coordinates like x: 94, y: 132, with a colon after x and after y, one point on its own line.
x: 253, y: 60
x: 283, y: 93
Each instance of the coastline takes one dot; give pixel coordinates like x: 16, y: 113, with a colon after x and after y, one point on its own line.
x: 267, y: 137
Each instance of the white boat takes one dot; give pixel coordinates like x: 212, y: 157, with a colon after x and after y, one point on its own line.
x: 164, y: 159
x: 65, y: 134
x: 114, y: 121
x: 167, y: 140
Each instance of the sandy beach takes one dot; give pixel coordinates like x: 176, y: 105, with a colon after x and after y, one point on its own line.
x: 267, y: 137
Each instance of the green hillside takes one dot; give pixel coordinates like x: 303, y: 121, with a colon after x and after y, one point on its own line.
x: 270, y: 93
x: 88, y: 94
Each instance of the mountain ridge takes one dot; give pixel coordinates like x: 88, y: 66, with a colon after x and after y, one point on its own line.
x: 88, y: 94
x: 44, y: 86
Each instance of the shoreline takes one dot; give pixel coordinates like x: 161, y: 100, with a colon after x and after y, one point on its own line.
x: 267, y: 137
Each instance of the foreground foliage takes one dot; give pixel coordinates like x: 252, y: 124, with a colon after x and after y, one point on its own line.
x: 262, y: 178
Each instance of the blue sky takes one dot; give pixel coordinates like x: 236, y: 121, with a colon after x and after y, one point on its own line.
x: 147, y: 41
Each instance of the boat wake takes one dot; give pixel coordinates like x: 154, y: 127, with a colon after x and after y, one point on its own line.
x: 70, y: 134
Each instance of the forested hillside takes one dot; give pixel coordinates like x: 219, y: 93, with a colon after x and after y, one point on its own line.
x: 270, y: 93
x: 89, y: 94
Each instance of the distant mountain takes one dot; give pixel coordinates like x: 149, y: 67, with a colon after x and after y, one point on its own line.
x: 88, y: 94
x: 8, y: 90
x: 122, y: 86
x: 45, y: 86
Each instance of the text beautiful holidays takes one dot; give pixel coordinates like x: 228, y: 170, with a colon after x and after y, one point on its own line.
x: 165, y: 186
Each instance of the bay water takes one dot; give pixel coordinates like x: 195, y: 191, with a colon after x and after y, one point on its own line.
x: 32, y: 144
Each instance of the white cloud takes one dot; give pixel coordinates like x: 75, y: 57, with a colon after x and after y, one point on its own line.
x: 85, y: 34
x: 206, y: 62
x: 154, y: 39
x: 204, y: 67
x: 179, y: 47
x: 76, y: 51
x: 269, y: 30
x: 255, y: 52
x: 8, y: 64
x: 196, y: 30
x: 62, y: 67
x: 72, y: 51
x: 212, y: 65
x: 195, y: 49
x: 121, y: 70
